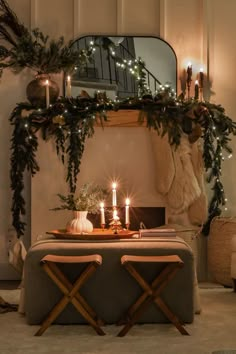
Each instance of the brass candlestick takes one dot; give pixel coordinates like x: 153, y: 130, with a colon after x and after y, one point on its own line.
x: 189, y: 79
x: 127, y: 226
x: 201, y: 79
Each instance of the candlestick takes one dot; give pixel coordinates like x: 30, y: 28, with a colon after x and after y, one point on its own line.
x: 196, y: 96
x: 201, y: 78
x: 114, y: 200
x: 47, y: 93
x: 127, y: 220
x: 68, y: 86
x: 189, y: 78
x: 102, y: 215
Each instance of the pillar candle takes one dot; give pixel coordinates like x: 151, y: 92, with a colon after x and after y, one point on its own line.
x: 68, y: 86
x: 102, y: 214
x: 47, y: 93
x: 127, y: 202
x: 114, y: 201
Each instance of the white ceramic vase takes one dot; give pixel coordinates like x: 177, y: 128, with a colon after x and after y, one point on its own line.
x: 80, y: 224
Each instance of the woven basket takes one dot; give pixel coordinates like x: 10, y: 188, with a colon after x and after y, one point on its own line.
x: 222, y: 230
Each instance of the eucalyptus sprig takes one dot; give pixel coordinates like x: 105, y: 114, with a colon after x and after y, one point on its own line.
x: 87, y: 198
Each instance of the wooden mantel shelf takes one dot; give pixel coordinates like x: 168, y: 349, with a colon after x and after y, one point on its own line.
x: 121, y: 118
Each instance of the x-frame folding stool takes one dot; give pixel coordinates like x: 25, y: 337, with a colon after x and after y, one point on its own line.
x: 152, y: 292
x: 71, y: 291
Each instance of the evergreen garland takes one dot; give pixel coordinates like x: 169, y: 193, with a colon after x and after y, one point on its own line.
x: 71, y: 121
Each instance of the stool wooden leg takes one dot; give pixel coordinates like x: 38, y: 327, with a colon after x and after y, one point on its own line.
x: 152, y: 293
x: 170, y: 315
x: 156, y: 283
x: 69, y: 296
x: 78, y: 296
x: 54, y: 313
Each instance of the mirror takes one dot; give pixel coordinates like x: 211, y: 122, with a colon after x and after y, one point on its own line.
x: 115, y: 64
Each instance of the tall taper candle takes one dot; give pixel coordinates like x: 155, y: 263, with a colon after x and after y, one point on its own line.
x: 114, y: 201
x: 127, y: 203
x: 68, y: 86
x: 47, y: 93
x: 102, y: 213
x: 196, y: 96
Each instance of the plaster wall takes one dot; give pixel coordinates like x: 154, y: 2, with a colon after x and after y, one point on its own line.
x: 200, y: 31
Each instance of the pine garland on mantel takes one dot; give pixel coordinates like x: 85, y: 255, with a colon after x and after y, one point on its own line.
x: 70, y: 121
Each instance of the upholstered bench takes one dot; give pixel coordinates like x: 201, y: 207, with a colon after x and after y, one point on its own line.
x: 110, y: 291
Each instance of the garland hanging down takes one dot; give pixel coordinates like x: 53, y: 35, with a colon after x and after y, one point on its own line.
x: 70, y: 121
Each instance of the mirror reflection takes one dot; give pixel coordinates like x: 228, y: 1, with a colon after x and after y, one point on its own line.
x: 124, y: 66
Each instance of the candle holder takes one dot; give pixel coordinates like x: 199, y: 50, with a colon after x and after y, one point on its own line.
x: 115, y: 225
x: 189, y: 79
x: 200, y: 94
x: 127, y: 226
x: 103, y: 227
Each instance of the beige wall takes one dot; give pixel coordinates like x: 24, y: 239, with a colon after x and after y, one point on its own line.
x: 202, y: 31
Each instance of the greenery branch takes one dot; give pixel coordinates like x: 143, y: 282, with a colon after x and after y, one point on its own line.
x: 87, y: 198
x: 24, y: 48
x: 71, y: 121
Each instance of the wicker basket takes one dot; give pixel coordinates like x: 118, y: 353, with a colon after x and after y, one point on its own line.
x: 219, y: 248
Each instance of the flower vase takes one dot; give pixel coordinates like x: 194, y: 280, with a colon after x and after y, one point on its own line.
x: 36, y: 90
x: 80, y: 224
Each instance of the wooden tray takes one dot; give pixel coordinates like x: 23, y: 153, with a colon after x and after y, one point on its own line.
x: 97, y: 234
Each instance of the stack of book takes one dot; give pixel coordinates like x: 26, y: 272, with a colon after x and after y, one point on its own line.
x: 157, y: 233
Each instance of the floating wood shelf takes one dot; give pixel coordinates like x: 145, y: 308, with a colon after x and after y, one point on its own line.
x: 121, y: 118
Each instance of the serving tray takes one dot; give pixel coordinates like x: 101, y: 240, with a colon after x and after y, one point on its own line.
x: 97, y: 234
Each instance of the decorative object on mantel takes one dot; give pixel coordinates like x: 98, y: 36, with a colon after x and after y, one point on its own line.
x: 86, y: 200
x: 36, y: 91
x: 32, y: 49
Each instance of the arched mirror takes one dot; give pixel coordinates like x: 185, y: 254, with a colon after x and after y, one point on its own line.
x: 116, y: 64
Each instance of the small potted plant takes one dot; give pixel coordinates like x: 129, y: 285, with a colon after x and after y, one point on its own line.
x: 86, y: 200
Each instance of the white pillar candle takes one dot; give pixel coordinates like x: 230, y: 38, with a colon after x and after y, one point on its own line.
x: 47, y: 93
x: 127, y: 203
x: 68, y: 86
x: 102, y: 214
x: 114, y: 201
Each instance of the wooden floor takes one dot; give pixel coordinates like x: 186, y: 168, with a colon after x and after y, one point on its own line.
x: 9, y: 284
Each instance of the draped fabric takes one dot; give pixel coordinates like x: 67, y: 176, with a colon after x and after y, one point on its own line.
x: 180, y: 178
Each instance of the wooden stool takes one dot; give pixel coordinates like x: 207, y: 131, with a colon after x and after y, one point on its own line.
x: 71, y: 292
x: 152, y: 292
